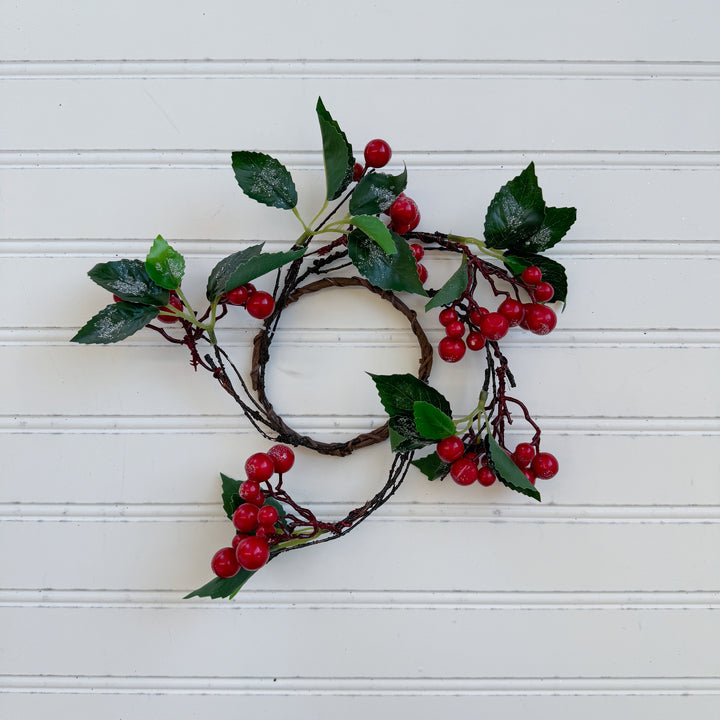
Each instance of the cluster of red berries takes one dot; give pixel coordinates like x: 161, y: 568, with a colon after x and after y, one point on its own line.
x: 254, y: 519
x: 484, y: 325
x: 258, y: 303
x: 468, y: 466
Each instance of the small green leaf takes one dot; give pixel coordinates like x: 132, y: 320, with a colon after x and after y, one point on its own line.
x: 376, y: 192
x: 226, y: 267
x: 506, y: 470
x: 165, y: 265
x: 258, y: 265
x: 230, y: 494
x: 452, y: 289
x: 399, y: 393
x: 389, y: 272
x: 404, y: 435
x: 553, y: 272
x: 376, y: 230
x: 223, y: 587
x: 265, y: 179
x: 337, y: 154
x: 129, y: 280
x: 432, y: 466
x: 556, y: 223
x: 115, y: 322
x: 432, y: 423
x: 516, y: 212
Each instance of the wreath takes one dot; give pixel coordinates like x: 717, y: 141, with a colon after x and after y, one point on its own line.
x: 369, y: 224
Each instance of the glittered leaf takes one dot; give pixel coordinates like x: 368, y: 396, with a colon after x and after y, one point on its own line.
x: 376, y: 192
x: 226, y: 267
x: 337, y: 154
x: 432, y: 423
x: 129, y: 280
x: 376, y: 230
x: 556, y: 223
x: 115, y: 322
x: 165, y: 265
x: 399, y: 393
x: 404, y: 435
x: 452, y: 289
x: 259, y: 265
x: 506, y: 470
x: 265, y: 179
x: 432, y: 466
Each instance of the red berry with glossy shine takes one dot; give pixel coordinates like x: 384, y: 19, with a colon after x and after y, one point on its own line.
x: 449, y: 449
x: 260, y: 305
x: 531, y: 275
x: 464, y: 471
x: 486, y: 477
x: 494, y: 326
x: 451, y: 349
x: 238, y: 296
x: 282, y: 456
x: 477, y: 314
x: 259, y: 466
x: 539, y: 319
x: 543, y: 292
x: 422, y: 272
x: 417, y: 251
x: 475, y: 340
x: 523, y: 455
x: 447, y: 316
x: 403, y: 210
x: 245, y: 518
x: 224, y: 563
x: 252, y: 553
x: 239, y: 537
x: 530, y: 475
x: 268, y: 515
x: 512, y: 311
x: 455, y: 329
x: 250, y: 491
x: 545, y: 465
x: 358, y: 170
x: 175, y: 302
x: 377, y: 153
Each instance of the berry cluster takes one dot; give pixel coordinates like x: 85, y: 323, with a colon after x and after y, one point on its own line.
x: 258, y: 303
x: 255, y: 519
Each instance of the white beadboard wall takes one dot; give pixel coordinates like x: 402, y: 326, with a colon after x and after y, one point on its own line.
x: 117, y: 121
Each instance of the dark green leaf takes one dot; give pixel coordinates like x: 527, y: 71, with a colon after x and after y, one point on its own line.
x: 399, y: 393
x: 432, y: 466
x: 404, y: 435
x: 516, y: 212
x: 115, y: 322
x: 506, y: 470
x: 376, y: 230
x: 265, y: 179
x: 258, y: 265
x: 165, y: 265
x: 222, y: 587
x: 376, y: 192
x: 432, y: 423
x: 553, y: 272
x: 389, y: 272
x: 452, y: 289
x: 337, y: 154
x: 226, y: 267
x: 230, y: 494
x: 129, y: 280
x: 556, y: 223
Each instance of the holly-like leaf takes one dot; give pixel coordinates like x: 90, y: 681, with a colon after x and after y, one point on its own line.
x: 506, y: 470
x: 115, y: 322
x: 337, y: 154
x: 404, y: 435
x: 129, y: 280
x: 556, y: 223
x: 226, y: 267
x: 265, y: 179
x: 432, y: 423
x: 259, y: 265
x: 516, y: 212
x: 452, y: 289
x: 432, y: 466
x: 399, y: 393
x: 164, y: 265
x: 230, y: 494
x: 376, y: 230
x: 376, y: 192
x: 389, y: 272
x: 553, y: 272
x: 223, y: 587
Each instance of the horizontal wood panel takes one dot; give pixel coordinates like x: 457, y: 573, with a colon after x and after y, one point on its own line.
x: 212, y: 113
x: 464, y: 29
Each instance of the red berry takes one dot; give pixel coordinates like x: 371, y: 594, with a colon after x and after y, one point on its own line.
x: 377, y: 153
x: 523, y: 455
x: 282, y: 456
x: 450, y: 449
x: 477, y: 314
x: 543, y: 292
x: 512, y: 311
x: 545, y: 465
x: 531, y: 275
x: 238, y: 296
x: 358, y: 171
x: 403, y: 211
x: 238, y: 538
x: 267, y: 515
x: 451, y: 350
x: 250, y: 490
x: 245, y: 518
x: 529, y: 475
x: 224, y: 563
x: 417, y: 251
x: 486, y: 476
x: 494, y: 326
x: 422, y: 272
x: 464, y: 471
x: 475, y: 340
x: 260, y: 305
x: 174, y: 302
x: 259, y: 467
x: 252, y: 553
x: 455, y: 329
x: 413, y: 223
x: 539, y: 319
x: 447, y: 316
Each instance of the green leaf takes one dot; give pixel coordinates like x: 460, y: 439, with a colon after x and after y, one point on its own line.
x: 399, y: 393
x: 389, y: 272
x: 226, y: 267
x: 165, y: 265
x: 337, y: 154
x: 265, y: 179
x: 516, y: 212
x: 376, y: 192
x: 452, y: 289
x: 129, y: 280
x: 432, y: 423
x: 556, y: 223
x: 506, y: 470
x: 230, y: 494
x: 376, y: 230
x: 553, y: 272
x: 432, y: 466
x: 404, y: 435
x: 223, y: 587
x: 115, y: 322
x: 258, y: 265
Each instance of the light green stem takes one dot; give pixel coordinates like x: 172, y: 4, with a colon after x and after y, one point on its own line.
x: 497, y: 254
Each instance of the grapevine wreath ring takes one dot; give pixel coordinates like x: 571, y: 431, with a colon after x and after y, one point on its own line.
x: 378, y: 238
